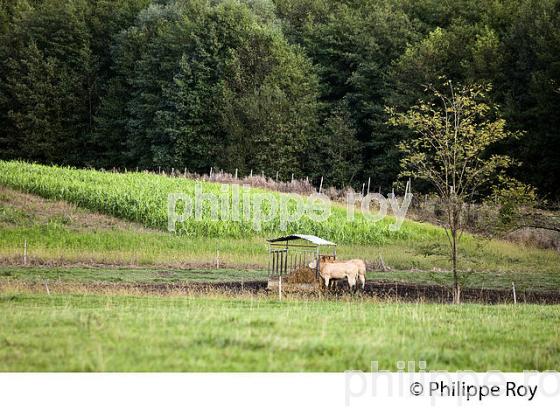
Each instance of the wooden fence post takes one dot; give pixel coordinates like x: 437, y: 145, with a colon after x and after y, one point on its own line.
x: 217, y: 258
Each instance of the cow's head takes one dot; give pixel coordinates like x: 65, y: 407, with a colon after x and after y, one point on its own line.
x: 313, y: 264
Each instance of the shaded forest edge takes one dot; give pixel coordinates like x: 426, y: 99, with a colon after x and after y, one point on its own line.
x: 280, y: 87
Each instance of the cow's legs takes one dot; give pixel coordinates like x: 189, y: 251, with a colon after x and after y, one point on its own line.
x: 351, y: 282
x: 363, y: 281
x: 334, y: 284
x: 327, y: 282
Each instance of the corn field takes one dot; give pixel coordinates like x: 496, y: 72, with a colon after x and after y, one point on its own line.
x: 143, y: 197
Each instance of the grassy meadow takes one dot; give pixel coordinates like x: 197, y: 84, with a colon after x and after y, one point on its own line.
x: 54, y: 244
x: 84, y: 228
x: 214, y: 333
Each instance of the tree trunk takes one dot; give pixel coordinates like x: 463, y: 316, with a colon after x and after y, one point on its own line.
x: 456, y: 285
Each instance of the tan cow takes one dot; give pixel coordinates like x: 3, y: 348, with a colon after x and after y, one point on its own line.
x: 361, y: 270
x: 349, y: 270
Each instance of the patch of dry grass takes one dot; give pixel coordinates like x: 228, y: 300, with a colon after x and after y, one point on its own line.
x: 37, y: 210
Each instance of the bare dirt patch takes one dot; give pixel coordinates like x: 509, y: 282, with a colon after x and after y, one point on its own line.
x: 443, y: 294
x: 376, y: 290
x: 37, y: 210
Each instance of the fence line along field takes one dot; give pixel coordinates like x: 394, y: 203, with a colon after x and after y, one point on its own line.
x: 143, y: 197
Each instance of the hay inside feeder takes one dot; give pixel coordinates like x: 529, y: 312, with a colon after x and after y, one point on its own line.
x: 302, y: 275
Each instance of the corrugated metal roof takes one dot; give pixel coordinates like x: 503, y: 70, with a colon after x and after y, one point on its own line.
x: 310, y: 238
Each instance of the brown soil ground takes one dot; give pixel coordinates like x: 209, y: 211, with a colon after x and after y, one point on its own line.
x: 442, y: 294
x: 374, y: 289
x: 40, y: 210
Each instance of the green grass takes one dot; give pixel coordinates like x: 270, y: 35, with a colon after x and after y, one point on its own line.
x: 127, y: 275
x: 120, y: 333
x: 53, y: 243
x: 13, y: 216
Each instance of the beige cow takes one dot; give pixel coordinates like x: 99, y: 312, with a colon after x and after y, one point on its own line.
x: 350, y: 270
x: 361, y: 270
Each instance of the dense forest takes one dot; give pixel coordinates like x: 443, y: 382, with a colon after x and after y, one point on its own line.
x: 287, y: 86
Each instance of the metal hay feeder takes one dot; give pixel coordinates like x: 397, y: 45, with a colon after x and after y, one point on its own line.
x: 291, y: 253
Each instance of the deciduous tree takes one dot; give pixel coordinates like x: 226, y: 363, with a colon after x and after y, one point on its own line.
x: 449, y: 149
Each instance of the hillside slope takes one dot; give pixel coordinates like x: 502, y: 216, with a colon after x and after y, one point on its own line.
x: 143, y: 198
